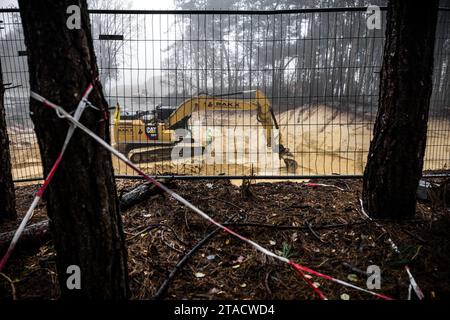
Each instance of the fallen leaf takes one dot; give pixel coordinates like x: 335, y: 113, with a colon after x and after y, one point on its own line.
x: 352, y: 277
x: 199, y: 275
x: 227, y: 241
x: 214, y: 291
x: 345, y: 296
x: 243, y: 285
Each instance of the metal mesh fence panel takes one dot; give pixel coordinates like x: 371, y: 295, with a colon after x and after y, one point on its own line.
x: 230, y: 93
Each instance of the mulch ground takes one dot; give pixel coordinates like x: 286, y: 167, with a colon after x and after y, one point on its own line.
x: 322, y: 228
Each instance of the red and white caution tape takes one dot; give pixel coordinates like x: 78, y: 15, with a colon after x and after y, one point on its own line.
x: 78, y: 112
x: 412, y: 282
x: 299, y: 268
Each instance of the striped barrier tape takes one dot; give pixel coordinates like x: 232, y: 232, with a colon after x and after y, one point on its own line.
x: 78, y: 112
x: 412, y: 282
x: 299, y: 268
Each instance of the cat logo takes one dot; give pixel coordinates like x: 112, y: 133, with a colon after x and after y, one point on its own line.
x: 151, y: 131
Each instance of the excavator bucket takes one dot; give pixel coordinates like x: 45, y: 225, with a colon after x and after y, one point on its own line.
x: 288, y: 158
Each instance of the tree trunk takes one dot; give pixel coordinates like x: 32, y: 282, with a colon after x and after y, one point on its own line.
x: 82, y: 203
x: 33, y: 235
x: 396, y: 152
x: 7, y: 196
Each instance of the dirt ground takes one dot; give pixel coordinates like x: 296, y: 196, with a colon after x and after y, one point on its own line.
x: 320, y: 227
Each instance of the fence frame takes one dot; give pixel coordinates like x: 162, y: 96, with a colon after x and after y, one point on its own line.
x: 438, y: 173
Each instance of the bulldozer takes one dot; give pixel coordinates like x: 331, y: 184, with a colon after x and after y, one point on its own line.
x: 150, y: 136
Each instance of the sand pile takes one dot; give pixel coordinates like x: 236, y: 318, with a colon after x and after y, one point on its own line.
x: 325, y: 140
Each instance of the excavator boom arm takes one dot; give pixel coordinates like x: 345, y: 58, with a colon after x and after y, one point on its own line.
x: 213, y: 103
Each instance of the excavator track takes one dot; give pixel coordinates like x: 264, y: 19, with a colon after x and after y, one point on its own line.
x: 150, y: 154
x: 163, y: 153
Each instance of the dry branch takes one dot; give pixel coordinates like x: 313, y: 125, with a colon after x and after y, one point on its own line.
x: 38, y: 233
x: 33, y: 235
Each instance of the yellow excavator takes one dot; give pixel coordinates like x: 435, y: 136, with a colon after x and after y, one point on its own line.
x: 150, y: 136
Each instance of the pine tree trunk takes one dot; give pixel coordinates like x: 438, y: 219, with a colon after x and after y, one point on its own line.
x: 82, y: 203
x: 396, y: 152
x: 7, y: 196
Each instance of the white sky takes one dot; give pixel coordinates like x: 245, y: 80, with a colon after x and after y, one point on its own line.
x: 136, y: 4
x: 153, y: 4
x: 7, y: 3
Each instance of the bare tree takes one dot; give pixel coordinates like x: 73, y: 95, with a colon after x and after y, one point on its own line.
x: 110, y: 52
x: 81, y: 201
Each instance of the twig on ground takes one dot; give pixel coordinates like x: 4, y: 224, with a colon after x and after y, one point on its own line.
x: 11, y: 283
x: 417, y: 253
x: 266, y: 282
x: 148, y: 228
x: 227, y: 202
x: 174, y: 233
x: 170, y: 245
x: 288, y: 227
x: 151, y: 227
x: 315, y: 234
x: 355, y: 269
x: 163, y: 288
x: 323, y: 262
x: 414, y: 236
x: 186, y: 220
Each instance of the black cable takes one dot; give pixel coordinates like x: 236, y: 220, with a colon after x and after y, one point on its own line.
x: 163, y: 288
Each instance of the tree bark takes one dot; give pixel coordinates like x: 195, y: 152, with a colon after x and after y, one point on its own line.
x: 82, y: 204
x: 396, y: 152
x: 140, y: 194
x: 33, y: 235
x: 7, y: 196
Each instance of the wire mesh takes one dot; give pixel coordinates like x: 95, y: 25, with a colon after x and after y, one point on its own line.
x: 318, y: 68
